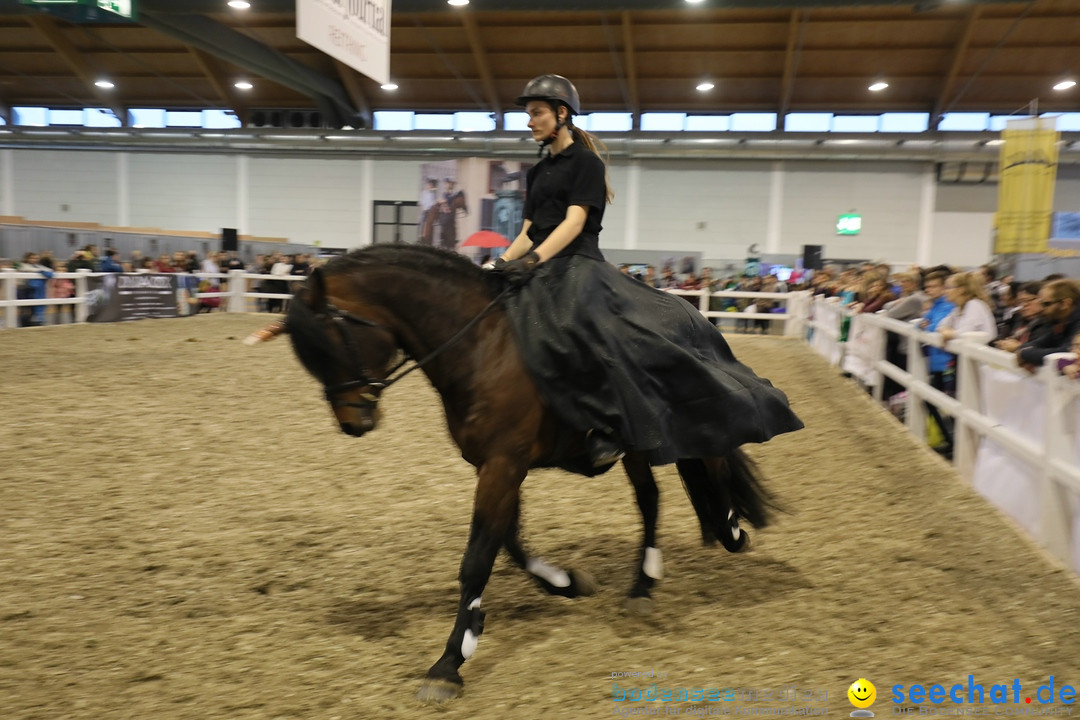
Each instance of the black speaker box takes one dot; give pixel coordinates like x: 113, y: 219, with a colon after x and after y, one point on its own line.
x: 811, y: 257
x: 229, y: 240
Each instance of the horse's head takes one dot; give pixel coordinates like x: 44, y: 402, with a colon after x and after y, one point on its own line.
x: 348, y: 353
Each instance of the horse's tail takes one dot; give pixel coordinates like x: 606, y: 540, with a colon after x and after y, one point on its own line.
x: 724, y: 490
x: 746, y: 492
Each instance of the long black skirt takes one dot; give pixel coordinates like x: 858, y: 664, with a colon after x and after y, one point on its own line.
x: 611, y: 353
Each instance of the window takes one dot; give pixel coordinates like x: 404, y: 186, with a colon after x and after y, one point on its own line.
x: 608, y: 122
x: 808, y: 122
x: 1066, y: 122
x: 905, y: 122
x: 100, y: 117
x: 148, y: 117
x: 34, y: 116
x: 662, y: 122
x: 393, y: 120
x: 971, y: 122
x: 708, y: 123
x: 855, y: 123
x: 65, y: 117
x: 516, y: 121
x: 439, y: 121
x: 182, y: 118
x: 395, y: 221
x: 753, y: 122
x: 220, y: 119
x: 474, y: 122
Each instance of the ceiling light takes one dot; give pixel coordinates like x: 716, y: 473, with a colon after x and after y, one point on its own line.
x: 457, y: 3
x: 878, y: 86
x: 390, y: 86
x: 694, y: 2
x: 104, y: 84
x: 705, y: 87
x: 242, y: 85
x: 996, y: 141
x: 1065, y: 85
x: 239, y: 4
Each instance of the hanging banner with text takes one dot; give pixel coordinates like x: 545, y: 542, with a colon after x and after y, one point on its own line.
x: 117, y: 297
x: 1026, y: 187
x: 356, y: 32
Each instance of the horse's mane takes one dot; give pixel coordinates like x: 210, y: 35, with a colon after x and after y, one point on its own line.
x: 432, y: 261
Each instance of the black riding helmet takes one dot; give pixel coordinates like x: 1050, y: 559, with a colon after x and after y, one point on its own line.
x: 556, y: 90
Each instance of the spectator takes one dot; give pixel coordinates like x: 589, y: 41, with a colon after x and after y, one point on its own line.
x: 1023, y: 322
x: 1060, y: 301
x: 967, y: 292
x: 35, y: 288
x: 941, y: 362
x: 109, y: 263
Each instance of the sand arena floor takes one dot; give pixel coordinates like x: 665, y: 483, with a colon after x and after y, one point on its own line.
x: 186, y: 534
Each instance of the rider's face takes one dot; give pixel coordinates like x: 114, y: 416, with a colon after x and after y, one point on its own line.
x: 542, y: 119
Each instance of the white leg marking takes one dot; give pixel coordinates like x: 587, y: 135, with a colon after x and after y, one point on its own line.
x: 555, y: 576
x: 654, y: 563
x: 734, y: 523
x: 468, y: 644
x: 470, y: 641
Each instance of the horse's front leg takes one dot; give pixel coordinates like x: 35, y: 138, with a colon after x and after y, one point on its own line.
x: 551, y: 579
x: 650, y: 560
x: 494, y: 508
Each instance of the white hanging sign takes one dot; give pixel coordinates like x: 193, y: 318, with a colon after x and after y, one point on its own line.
x: 356, y: 32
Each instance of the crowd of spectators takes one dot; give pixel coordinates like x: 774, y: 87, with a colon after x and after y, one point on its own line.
x: 193, y: 288
x: 1030, y: 319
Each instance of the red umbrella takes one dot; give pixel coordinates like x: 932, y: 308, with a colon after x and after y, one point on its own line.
x: 486, y: 239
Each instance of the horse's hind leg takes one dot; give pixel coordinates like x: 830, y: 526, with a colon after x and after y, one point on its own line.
x: 650, y: 560
x: 553, y: 580
x: 723, y: 490
x: 494, y: 508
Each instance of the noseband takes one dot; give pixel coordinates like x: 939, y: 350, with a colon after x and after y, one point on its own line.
x: 374, y: 386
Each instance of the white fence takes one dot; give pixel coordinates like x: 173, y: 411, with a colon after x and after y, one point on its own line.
x: 1017, y: 434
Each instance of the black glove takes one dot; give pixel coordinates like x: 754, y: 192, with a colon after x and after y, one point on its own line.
x: 517, y: 272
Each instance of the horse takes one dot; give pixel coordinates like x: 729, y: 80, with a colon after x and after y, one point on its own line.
x: 354, y: 316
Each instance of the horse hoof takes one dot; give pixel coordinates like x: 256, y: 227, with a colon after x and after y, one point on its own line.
x: 434, y: 692
x: 641, y: 607
x: 584, y: 583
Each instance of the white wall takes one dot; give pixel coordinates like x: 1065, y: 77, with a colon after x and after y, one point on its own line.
x: 65, y: 186
x: 181, y: 192
x: 717, y: 208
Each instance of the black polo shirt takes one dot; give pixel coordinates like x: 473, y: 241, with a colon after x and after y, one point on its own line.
x: 575, y: 176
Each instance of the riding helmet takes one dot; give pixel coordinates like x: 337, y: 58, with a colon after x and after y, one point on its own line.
x: 553, y: 88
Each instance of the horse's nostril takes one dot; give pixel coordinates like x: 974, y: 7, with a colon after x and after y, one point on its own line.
x: 350, y: 429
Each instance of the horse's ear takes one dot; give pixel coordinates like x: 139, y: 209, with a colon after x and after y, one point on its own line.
x: 316, y: 290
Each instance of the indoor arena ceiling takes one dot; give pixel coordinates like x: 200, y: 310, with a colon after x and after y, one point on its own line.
x: 777, y: 56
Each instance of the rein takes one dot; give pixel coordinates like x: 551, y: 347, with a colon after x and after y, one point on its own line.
x: 377, y: 386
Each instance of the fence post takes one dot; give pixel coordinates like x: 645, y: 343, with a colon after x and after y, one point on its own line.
x: 10, y: 294
x: 969, y: 393
x: 1055, y: 510
x: 237, y: 288
x: 915, y: 413
x: 81, y: 310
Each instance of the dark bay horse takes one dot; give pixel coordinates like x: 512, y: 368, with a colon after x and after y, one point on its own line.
x: 354, y: 316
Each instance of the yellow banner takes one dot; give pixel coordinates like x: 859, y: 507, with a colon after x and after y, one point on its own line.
x: 1029, y: 158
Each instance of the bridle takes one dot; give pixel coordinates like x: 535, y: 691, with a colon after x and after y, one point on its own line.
x: 373, y: 386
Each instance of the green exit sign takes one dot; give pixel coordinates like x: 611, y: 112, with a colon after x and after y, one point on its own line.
x: 849, y: 224
x: 87, y: 9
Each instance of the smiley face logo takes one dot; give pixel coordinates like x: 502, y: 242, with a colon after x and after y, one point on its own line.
x: 862, y: 693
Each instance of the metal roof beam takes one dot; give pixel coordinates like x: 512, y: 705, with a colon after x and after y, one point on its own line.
x: 351, y: 80
x: 796, y: 29
x: 212, y: 69
x: 631, y: 71
x: 47, y: 27
x: 472, y: 32
x: 957, y: 61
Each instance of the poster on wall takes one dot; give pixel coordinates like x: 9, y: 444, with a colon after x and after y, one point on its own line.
x: 442, y: 203
x: 118, y: 297
x: 472, y: 205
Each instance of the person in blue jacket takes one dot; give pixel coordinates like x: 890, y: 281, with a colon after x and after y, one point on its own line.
x: 941, y: 363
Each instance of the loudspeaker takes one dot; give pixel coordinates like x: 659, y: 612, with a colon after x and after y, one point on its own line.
x: 229, y: 241
x: 811, y: 257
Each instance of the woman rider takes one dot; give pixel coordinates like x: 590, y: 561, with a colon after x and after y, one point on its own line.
x: 633, y: 367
